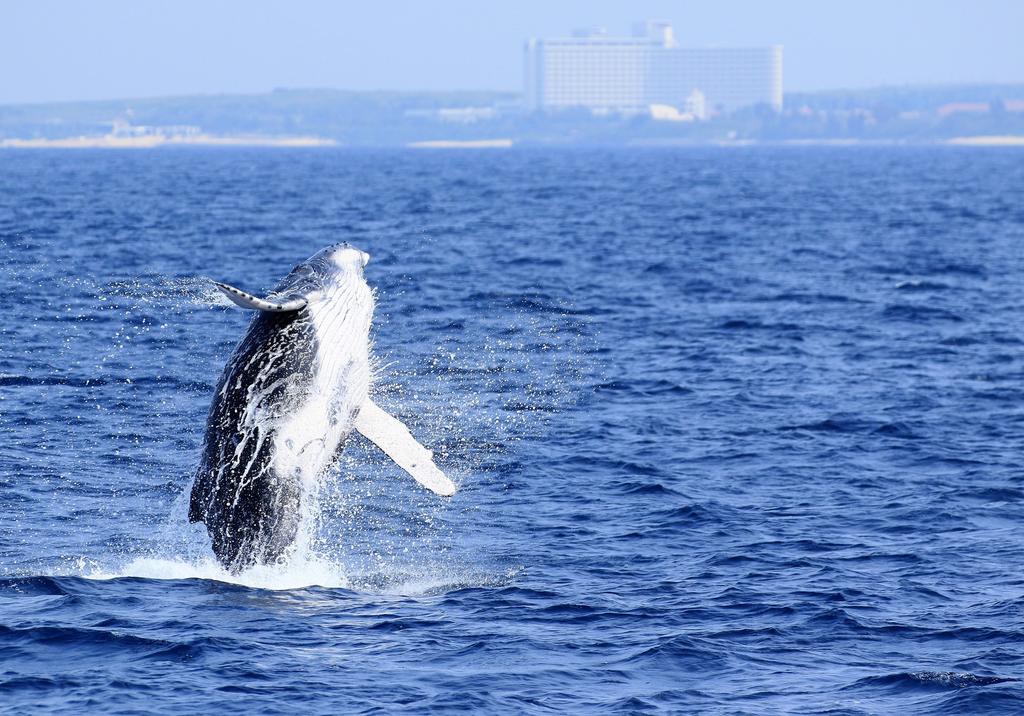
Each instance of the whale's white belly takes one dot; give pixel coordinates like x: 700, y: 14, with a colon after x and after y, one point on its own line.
x: 309, y: 434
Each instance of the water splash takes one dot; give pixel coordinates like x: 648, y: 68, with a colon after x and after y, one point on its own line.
x: 297, y: 574
x: 166, y: 292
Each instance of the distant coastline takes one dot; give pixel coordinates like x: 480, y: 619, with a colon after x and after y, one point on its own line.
x: 462, y: 144
x: 154, y: 142
x: 985, y: 140
x: 987, y: 115
x: 109, y: 141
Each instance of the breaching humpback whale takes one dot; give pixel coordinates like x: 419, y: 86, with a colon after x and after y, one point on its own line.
x: 294, y: 389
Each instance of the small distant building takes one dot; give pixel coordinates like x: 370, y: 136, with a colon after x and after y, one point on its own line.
x: 696, y: 104
x: 455, y: 115
x: 693, y: 110
x: 629, y: 74
x: 123, y: 129
x: 963, y: 108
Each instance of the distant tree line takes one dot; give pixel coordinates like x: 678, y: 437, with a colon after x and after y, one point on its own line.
x: 911, y: 113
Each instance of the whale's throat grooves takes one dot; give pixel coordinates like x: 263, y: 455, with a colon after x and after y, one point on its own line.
x: 309, y: 437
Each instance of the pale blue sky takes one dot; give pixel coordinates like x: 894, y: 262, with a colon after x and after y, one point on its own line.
x: 101, y: 49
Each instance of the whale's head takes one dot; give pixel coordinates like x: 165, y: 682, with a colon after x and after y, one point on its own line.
x: 335, y: 266
x: 329, y: 275
x: 335, y: 275
x: 337, y: 263
x: 348, y: 257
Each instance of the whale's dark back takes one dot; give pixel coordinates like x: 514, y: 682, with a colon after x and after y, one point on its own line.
x: 251, y: 511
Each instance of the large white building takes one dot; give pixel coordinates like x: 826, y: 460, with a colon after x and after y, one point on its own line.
x: 629, y: 74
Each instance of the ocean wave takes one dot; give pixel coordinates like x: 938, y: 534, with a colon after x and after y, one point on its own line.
x: 929, y: 680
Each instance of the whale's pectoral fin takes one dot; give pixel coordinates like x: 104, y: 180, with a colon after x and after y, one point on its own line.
x: 390, y: 435
x: 247, y: 300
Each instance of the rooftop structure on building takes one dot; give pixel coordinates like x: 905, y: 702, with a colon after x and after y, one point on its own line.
x: 603, y: 73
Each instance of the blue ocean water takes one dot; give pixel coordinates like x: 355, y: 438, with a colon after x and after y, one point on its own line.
x: 736, y: 431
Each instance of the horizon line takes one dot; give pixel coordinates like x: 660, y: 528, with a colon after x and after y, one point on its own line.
x: 341, y: 90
